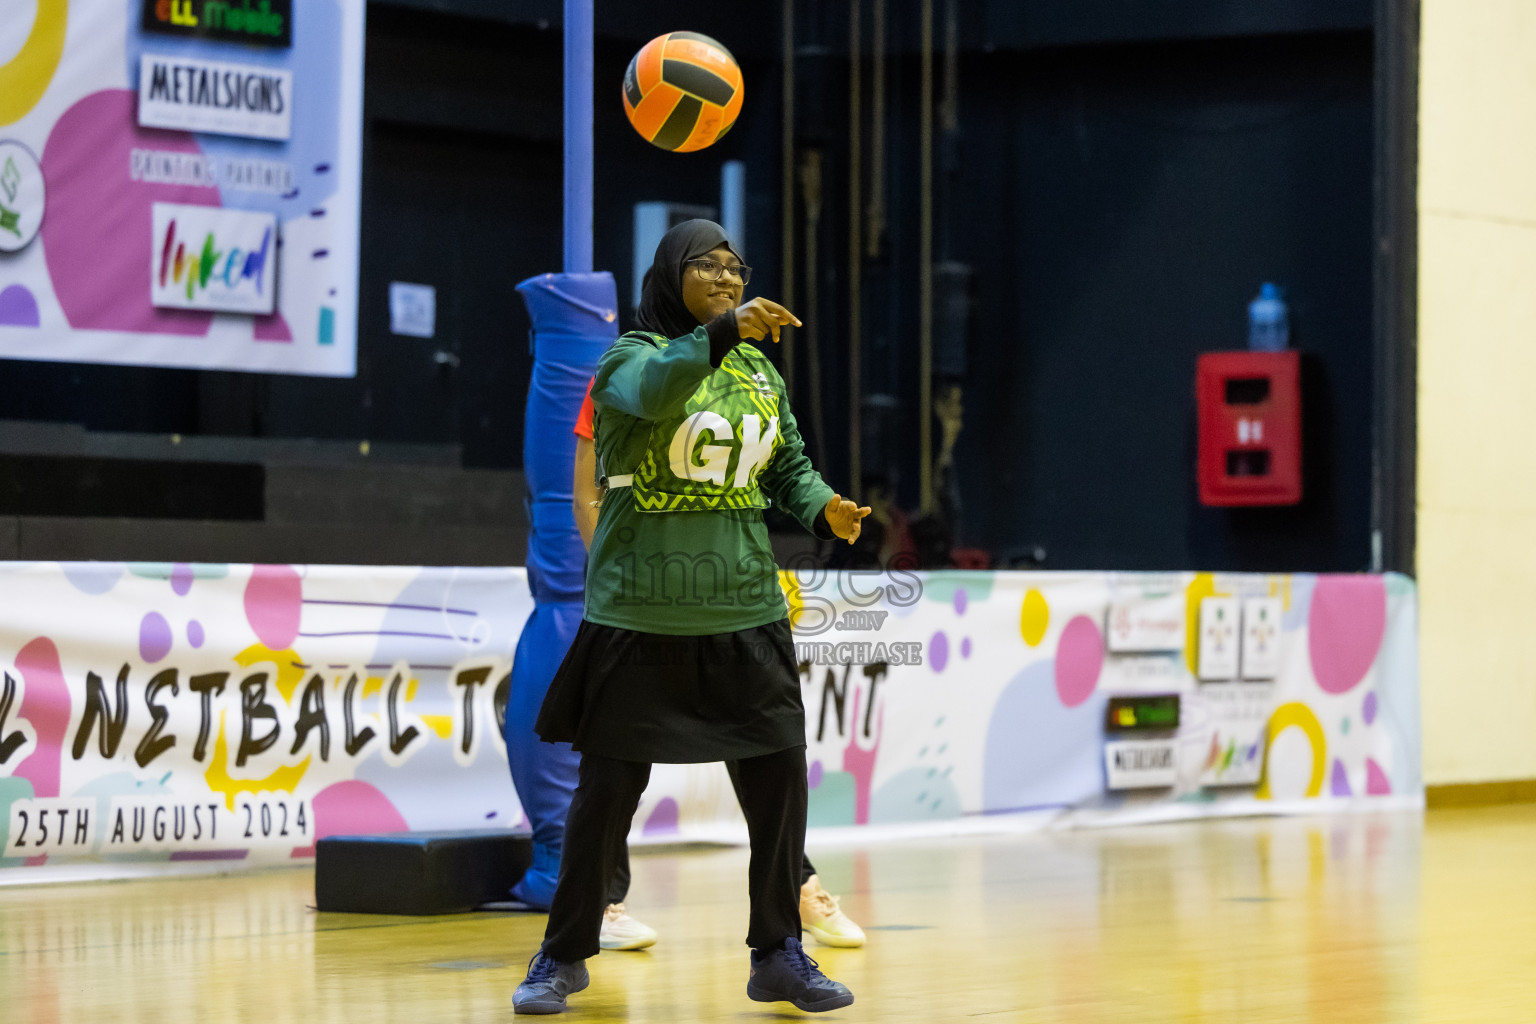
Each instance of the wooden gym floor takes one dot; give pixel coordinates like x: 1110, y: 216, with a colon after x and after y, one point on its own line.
x: 1371, y: 918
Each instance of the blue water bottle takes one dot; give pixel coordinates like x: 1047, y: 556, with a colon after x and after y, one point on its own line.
x: 1269, y: 328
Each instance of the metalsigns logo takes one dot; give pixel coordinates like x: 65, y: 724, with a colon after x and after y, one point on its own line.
x: 21, y: 197
x: 1141, y: 764
x: 206, y: 257
x: 262, y: 23
x: 212, y: 96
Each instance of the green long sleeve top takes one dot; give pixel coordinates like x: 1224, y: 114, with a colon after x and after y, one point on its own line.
x: 708, y: 440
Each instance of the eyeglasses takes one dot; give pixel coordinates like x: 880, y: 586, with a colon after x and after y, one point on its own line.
x: 709, y: 270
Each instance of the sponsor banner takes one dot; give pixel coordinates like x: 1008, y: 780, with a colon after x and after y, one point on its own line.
x: 207, y: 257
x: 253, y: 22
x: 159, y: 714
x: 239, y: 713
x: 231, y: 107
x: 215, y: 96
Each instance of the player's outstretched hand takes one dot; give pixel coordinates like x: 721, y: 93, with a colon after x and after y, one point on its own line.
x: 846, y: 518
x: 762, y: 318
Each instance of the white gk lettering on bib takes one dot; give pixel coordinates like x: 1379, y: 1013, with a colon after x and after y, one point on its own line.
x: 710, y: 463
x: 710, y: 455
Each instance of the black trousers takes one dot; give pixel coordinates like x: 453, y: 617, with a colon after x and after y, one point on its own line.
x: 772, y: 790
x: 618, y: 888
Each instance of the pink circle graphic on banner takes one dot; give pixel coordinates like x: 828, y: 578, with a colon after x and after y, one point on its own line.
x: 1376, y: 781
x: 97, y: 233
x: 274, y: 603
x: 181, y: 578
x: 272, y: 328
x: 1079, y: 659
x: 46, y: 705
x: 1345, y: 627
x: 352, y: 808
x: 154, y: 637
x: 195, y: 633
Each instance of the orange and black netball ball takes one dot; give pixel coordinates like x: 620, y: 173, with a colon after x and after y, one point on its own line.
x: 682, y: 91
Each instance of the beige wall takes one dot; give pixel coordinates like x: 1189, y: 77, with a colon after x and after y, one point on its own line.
x: 1477, y: 389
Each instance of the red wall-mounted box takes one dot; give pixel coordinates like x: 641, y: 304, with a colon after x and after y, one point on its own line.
x: 1249, y: 408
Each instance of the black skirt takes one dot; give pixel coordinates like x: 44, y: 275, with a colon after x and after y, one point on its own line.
x: 667, y: 699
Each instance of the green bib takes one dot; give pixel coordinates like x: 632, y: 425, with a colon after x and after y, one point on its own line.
x: 707, y: 457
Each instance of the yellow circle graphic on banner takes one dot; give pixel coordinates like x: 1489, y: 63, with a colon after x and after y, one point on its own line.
x: 790, y: 584
x: 1301, y: 716
x: 1201, y: 587
x: 24, y: 80
x: 1034, y: 617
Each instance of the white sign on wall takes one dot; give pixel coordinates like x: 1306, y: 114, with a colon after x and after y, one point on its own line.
x: 213, y: 96
x: 210, y: 257
x: 1141, y: 764
x: 1261, y: 637
x: 1218, y: 637
x: 412, y: 309
x: 1147, y: 622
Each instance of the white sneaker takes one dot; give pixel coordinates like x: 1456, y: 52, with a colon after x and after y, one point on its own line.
x: 620, y: 931
x: 824, y: 919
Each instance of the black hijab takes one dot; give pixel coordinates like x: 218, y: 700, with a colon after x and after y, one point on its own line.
x: 661, y: 294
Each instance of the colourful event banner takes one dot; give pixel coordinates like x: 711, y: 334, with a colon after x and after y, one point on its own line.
x: 245, y: 117
x: 152, y: 715
x: 201, y: 712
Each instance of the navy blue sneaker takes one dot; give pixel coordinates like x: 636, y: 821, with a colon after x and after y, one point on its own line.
x: 548, y: 983
x: 788, y: 975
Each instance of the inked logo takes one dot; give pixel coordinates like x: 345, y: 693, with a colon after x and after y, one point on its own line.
x: 211, y: 258
x: 198, y: 269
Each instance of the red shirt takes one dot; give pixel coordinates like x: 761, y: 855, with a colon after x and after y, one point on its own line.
x: 588, y: 410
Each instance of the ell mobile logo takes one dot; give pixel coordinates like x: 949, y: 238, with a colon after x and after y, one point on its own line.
x: 263, y: 23
x: 210, y: 258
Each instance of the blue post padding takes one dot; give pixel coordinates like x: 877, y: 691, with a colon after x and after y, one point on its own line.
x: 544, y: 773
x: 575, y: 319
